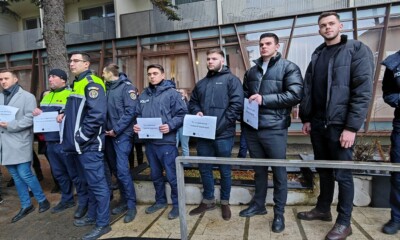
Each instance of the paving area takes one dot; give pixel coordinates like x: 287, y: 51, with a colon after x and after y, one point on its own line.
x: 366, y: 224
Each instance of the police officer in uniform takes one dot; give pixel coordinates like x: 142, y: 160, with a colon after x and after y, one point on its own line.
x: 63, y: 170
x: 391, y: 96
x: 121, y: 106
x: 161, y: 100
x: 83, y: 136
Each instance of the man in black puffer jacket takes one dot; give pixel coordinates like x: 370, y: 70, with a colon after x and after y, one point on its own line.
x: 337, y: 92
x: 276, y: 85
x: 219, y: 94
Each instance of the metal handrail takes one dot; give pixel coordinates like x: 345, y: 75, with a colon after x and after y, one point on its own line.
x: 181, y: 160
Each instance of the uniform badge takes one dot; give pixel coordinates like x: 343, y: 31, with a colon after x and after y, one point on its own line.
x: 93, y: 93
x: 132, y: 94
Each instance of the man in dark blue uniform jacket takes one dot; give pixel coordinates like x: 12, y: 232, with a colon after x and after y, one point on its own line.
x: 161, y: 100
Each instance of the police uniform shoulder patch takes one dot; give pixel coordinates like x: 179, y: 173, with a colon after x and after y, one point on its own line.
x: 93, y: 88
x: 132, y: 94
x: 93, y: 93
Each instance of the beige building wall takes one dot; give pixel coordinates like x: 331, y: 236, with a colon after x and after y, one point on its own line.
x: 7, y: 24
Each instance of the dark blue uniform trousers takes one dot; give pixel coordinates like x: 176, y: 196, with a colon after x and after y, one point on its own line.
x: 65, y: 172
x: 162, y: 157
x: 395, y: 177
x: 91, y: 170
x: 117, y: 151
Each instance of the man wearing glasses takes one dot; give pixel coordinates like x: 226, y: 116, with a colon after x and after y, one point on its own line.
x: 83, y: 138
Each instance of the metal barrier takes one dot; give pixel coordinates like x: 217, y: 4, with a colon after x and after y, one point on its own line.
x: 181, y: 160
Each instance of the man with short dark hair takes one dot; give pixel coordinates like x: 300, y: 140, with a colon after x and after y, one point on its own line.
x: 161, y: 100
x: 121, y: 107
x: 276, y: 85
x: 16, y: 144
x: 83, y: 138
x: 219, y: 94
x: 391, y: 96
x: 337, y: 92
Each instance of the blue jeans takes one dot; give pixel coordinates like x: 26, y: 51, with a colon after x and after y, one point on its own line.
x: 91, y: 171
x: 215, y: 148
x: 395, y: 177
x: 24, y: 179
x: 162, y: 157
x: 326, y: 146
x: 184, y: 140
x: 118, y: 151
x: 65, y: 172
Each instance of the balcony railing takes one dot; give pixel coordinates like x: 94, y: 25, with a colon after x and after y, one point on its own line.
x: 78, y: 32
x: 90, y: 30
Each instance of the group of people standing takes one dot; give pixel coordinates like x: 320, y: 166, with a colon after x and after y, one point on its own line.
x: 334, y: 99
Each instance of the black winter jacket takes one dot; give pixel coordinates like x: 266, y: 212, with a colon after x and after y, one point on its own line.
x: 281, y: 88
x: 219, y: 94
x: 166, y: 103
x: 391, y: 86
x: 350, y: 76
x: 121, y: 105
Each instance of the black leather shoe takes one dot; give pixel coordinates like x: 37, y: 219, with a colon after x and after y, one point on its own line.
x: 22, y: 213
x: 61, y: 206
x: 97, y: 232
x: 130, y: 215
x: 44, y: 206
x: 315, y: 214
x: 391, y: 227
x: 339, y: 232
x: 278, y: 225
x: 253, y: 210
x: 80, y: 212
x: 84, y: 222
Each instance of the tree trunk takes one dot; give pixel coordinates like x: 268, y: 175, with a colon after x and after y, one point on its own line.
x: 54, y: 34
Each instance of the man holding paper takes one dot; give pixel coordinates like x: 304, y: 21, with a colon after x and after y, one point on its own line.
x: 163, y: 104
x: 219, y: 94
x: 275, y: 84
x: 64, y: 170
x: 16, y: 144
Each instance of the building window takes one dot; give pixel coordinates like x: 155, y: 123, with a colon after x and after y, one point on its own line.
x: 98, y: 12
x: 32, y: 23
x: 178, y: 2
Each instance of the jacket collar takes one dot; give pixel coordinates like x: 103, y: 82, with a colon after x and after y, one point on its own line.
x: 83, y: 75
x: 272, y: 61
x: 343, y: 40
x: 224, y: 70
